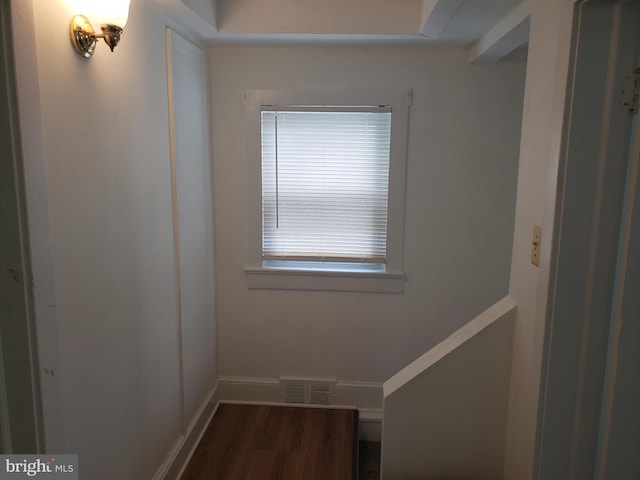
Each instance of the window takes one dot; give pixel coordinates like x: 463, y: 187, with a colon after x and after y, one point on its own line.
x: 325, y: 178
x: 326, y: 189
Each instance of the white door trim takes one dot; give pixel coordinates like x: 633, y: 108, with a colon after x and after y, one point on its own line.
x: 20, y: 406
x: 620, y: 422
x: 37, y: 237
x: 585, y: 241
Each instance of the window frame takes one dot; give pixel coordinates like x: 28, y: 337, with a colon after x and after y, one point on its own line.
x: 391, y: 279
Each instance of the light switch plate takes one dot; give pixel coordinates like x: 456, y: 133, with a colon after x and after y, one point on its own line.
x: 535, y: 246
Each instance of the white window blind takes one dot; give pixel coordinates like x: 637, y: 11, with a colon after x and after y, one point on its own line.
x: 325, y: 183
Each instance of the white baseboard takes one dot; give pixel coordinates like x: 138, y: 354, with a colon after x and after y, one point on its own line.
x: 366, y: 397
x: 179, y: 455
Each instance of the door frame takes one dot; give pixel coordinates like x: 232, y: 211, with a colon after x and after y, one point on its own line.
x: 20, y: 401
x: 620, y: 422
x: 590, y: 192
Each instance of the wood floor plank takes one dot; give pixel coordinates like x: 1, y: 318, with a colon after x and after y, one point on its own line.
x: 256, y: 442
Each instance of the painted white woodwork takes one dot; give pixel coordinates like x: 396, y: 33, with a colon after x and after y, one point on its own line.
x: 508, y: 34
x: 178, y: 456
x: 392, y: 278
x: 253, y: 22
x: 206, y: 9
x: 193, y: 19
x: 588, y: 256
x: 543, y: 115
x: 20, y: 415
x: 427, y: 8
x: 189, y: 125
x: 365, y: 396
x: 445, y: 414
x: 436, y: 16
x: 620, y: 425
x: 473, y: 20
x: 34, y: 164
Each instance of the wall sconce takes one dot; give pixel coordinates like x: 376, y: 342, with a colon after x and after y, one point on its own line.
x: 112, y: 15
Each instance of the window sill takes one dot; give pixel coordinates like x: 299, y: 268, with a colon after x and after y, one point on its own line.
x: 324, y: 280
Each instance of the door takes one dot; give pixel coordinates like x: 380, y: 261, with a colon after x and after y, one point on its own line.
x: 19, y: 386
x: 588, y: 421
x: 620, y: 424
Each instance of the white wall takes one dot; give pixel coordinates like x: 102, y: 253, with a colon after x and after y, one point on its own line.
x: 463, y: 146
x: 105, y: 181
x: 548, y: 58
x: 445, y: 414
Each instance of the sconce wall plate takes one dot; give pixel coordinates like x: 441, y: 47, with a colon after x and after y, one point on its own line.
x: 83, y: 37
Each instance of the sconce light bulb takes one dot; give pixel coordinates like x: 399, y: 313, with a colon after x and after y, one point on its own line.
x: 111, y: 12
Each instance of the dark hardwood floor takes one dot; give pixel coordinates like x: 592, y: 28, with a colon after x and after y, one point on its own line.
x: 254, y: 442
